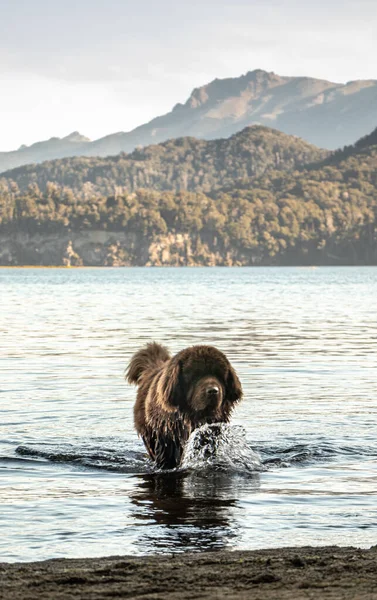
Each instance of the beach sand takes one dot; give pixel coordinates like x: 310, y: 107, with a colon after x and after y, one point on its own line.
x: 294, y: 573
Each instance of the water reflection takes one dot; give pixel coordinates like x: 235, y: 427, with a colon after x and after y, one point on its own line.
x: 189, y: 511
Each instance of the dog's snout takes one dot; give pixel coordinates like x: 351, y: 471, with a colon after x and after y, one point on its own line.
x: 213, y: 391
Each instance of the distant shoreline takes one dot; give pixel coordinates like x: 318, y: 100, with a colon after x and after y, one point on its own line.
x: 163, y: 267
x: 283, y: 573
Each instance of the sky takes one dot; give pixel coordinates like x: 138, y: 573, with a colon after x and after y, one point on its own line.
x: 102, y: 66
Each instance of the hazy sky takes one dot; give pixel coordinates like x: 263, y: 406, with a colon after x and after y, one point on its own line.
x: 101, y: 66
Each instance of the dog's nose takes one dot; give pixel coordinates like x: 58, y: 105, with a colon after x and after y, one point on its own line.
x: 213, y: 391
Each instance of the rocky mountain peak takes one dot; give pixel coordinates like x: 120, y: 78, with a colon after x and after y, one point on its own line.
x: 219, y: 89
x: 76, y: 136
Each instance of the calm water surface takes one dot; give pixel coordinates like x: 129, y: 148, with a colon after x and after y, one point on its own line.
x: 74, y: 480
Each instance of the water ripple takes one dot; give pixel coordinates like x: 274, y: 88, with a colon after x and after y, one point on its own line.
x: 74, y: 479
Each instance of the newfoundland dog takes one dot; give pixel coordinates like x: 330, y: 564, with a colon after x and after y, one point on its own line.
x: 178, y: 394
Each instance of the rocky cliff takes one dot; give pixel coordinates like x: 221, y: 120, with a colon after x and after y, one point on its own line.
x: 116, y: 249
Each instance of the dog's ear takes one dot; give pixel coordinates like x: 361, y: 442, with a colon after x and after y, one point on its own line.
x: 233, y: 386
x: 170, y: 386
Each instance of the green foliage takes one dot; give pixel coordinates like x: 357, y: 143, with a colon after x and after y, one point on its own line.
x: 184, y: 164
x: 317, y: 215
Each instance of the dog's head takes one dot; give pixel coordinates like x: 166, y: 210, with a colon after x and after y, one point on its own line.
x: 200, y: 382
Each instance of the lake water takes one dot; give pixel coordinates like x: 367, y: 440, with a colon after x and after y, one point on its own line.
x: 74, y: 480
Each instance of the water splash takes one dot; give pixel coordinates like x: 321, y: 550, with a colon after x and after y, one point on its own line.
x: 217, y: 447
x: 220, y: 447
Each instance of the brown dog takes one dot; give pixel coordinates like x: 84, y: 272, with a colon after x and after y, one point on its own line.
x: 178, y: 394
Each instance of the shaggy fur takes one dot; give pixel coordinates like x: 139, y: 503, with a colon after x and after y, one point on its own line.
x: 178, y: 394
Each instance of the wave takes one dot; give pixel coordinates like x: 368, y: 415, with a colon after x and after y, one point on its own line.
x: 124, y: 460
x: 287, y: 455
x: 217, y: 447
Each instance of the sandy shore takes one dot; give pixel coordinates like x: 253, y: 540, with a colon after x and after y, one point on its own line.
x: 294, y: 573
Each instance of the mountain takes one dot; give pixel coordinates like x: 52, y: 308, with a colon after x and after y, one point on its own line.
x: 327, y: 114
x: 324, y: 213
x: 180, y: 164
x: 71, y: 145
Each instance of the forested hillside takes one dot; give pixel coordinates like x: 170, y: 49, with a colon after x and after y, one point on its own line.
x: 184, y: 164
x: 323, y: 214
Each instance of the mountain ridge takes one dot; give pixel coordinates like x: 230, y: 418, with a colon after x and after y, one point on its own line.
x: 324, y: 113
x: 185, y: 163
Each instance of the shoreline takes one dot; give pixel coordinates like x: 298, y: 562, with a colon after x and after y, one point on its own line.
x: 116, y: 267
x: 281, y: 573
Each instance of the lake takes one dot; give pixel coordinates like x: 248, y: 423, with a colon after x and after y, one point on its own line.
x: 74, y: 479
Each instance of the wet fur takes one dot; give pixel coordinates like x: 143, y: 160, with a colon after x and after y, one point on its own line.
x: 170, y: 401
